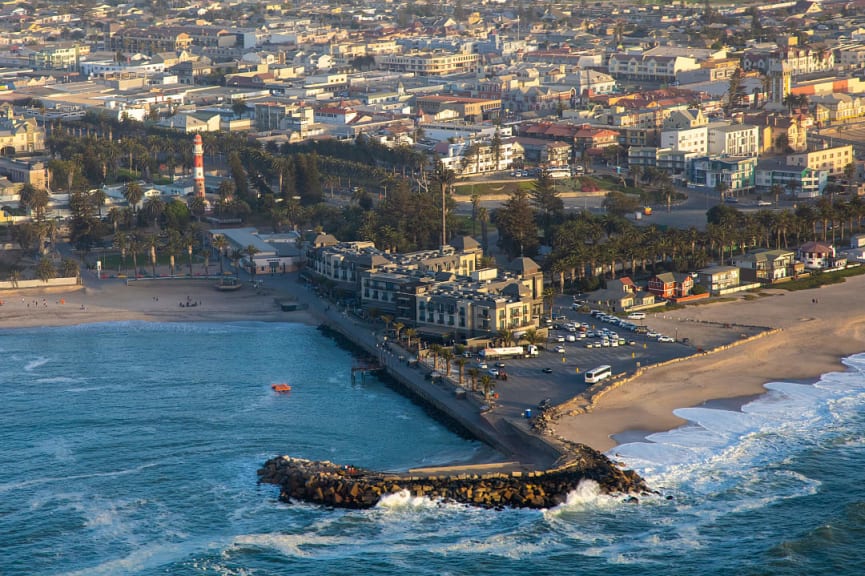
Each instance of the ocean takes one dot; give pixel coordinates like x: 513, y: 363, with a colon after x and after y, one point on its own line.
x: 132, y: 448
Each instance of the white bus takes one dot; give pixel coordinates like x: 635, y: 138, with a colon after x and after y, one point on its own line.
x: 598, y: 374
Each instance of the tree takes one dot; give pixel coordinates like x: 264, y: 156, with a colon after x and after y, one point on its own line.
x: 488, y: 385
x: 45, y: 270
x: 239, y: 107
x: 445, y: 178
x: 251, y: 251
x: 36, y: 199
x: 409, y: 334
x: 548, y: 202
x: 516, y: 223
x: 461, y: 364
x: 153, y: 209
x: 133, y: 193
x: 220, y: 243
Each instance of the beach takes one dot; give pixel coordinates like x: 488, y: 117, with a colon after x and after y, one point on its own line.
x: 816, y: 329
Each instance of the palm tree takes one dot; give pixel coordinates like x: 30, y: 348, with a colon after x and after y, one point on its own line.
x: 251, y: 251
x: 488, y: 385
x: 151, y: 241
x: 435, y: 350
x: 133, y: 193
x: 135, y: 246
x: 121, y: 242
x: 189, y: 240
x: 447, y: 355
x: 172, y: 247
x: 461, y: 364
x: 473, y: 374
x: 153, y: 209
x: 409, y: 334
x: 220, y: 243
x: 445, y: 178
x: 45, y: 270
x: 506, y: 336
x: 397, y: 328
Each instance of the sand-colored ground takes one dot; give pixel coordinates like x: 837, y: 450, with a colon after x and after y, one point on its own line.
x: 813, y: 338
x: 158, y: 301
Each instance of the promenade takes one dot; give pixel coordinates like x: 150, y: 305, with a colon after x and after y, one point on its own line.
x: 520, y: 447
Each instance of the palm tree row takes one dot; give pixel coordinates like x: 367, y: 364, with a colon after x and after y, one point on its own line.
x: 587, y: 247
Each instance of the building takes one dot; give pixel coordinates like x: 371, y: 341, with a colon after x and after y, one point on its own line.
x: 471, y: 109
x: 818, y: 256
x: 33, y: 172
x: 719, y: 279
x: 767, y: 266
x: 19, y: 135
x: 275, y: 253
x: 833, y: 160
x: 429, y: 63
x: 671, y: 285
x: 621, y: 295
x: 649, y: 67
x: 790, y: 180
x: 733, y: 175
x: 733, y: 139
x: 59, y: 56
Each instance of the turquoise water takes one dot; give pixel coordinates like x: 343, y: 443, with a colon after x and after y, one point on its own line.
x: 131, y: 448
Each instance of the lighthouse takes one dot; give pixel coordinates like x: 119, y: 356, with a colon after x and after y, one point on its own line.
x: 198, y: 165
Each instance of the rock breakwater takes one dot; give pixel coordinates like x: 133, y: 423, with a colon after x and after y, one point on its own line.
x: 349, y: 487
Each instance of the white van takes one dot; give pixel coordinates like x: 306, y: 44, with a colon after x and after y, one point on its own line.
x: 636, y: 316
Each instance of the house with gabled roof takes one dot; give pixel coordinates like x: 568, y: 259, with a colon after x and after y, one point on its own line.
x: 671, y: 284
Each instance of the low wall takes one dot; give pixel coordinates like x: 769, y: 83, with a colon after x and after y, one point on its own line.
x: 30, y: 284
x: 587, y: 401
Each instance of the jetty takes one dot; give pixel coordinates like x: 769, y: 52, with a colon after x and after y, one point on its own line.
x: 346, y: 486
x: 537, y: 470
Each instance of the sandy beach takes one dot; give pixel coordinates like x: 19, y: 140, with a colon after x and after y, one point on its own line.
x: 812, y: 339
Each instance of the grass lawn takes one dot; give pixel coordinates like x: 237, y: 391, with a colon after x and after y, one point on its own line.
x: 822, y: 279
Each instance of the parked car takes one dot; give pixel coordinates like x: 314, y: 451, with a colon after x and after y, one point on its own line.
x: 559, y: 338
x: 636, y: 315
x: 560, y: 349
x: 666, y: 339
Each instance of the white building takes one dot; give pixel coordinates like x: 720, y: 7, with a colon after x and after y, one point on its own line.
x: 733, y: 139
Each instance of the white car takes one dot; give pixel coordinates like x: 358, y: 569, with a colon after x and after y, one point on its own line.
x: 636, y: 316
x: 652, y: 334
x: 560, y: 349
x: 571, y: 338
x: 763, y: 203
x: 559, y: 338
x: 666, y: 339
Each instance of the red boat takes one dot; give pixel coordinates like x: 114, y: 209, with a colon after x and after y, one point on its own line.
x: 281, y: 387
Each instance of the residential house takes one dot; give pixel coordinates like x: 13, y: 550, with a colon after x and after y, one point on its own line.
x: 734, y: 175
x: 649, y: 67
x: 193, y: 122
x: 671, y: 285
x: 621, y: 295
x: 718, y: 279
x: 819, y: 255
x: 767, y: 266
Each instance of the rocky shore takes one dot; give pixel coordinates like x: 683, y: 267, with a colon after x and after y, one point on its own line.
x: 349, y: 487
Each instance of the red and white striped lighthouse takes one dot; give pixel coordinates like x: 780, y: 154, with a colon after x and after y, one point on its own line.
x: 198, y: 165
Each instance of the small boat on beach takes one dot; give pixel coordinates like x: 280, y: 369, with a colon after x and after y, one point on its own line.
x: 281, y: 387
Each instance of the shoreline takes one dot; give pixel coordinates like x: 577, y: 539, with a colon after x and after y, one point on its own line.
x: 811, y: 338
